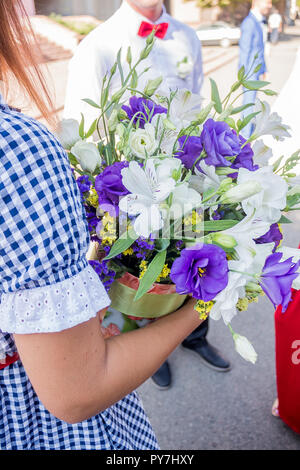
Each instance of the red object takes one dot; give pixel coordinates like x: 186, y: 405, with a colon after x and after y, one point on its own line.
x: 287, y: 330
x: 147, y: 28
x: 9, y: 360
x: 111, y: 330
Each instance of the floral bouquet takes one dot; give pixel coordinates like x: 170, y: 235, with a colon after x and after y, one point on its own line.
x: 179, y: 203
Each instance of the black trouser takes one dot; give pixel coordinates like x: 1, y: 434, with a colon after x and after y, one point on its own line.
x: 198, y: 335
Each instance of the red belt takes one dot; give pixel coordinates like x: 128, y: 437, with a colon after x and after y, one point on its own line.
x: 9, y: 360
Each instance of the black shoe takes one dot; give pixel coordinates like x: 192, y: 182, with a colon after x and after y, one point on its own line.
x: 162, y: 377
x: 209, y: 355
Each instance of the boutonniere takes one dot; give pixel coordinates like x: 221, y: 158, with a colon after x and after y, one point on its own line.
x: 185, y: 67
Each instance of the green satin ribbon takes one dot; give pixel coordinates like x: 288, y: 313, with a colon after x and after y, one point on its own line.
x: 148, y: 306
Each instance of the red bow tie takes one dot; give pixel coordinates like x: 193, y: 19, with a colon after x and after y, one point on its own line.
x: 147, y: 28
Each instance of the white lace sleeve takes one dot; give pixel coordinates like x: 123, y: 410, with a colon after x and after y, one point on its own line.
x: 55, y: 307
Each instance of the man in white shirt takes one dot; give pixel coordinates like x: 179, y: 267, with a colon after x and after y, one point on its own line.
x: 94, y: 57
x: 97, y: 53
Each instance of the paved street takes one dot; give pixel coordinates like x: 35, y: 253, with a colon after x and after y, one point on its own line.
x: 206, y: 409
x: 210, y: 410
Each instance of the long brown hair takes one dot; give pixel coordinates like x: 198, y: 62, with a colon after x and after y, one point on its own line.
x: 18, y: 49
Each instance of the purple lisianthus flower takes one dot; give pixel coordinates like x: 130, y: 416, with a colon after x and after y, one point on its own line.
x: 201, y: 270
x: 106, y: 275
x: 84, y: 183
x: 219, y: 141
x: 274, y: 235
x: 110, y: 188
x: 277, y: 279
x: 244, y: 158
x: 190, y: 149
x: 142, y: 109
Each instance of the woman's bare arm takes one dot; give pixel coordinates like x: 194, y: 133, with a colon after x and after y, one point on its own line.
x: 77, y: 374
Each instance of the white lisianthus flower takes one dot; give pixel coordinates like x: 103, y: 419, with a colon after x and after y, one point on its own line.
x: 267, y: 123
x: 87, y: 155
x: 147, y: 193
x: 185, y: 68
x: 271, y: 200
x: 142, y: 142
x: 244, y: 348
x: 225, y: 302
x: 68, y: 133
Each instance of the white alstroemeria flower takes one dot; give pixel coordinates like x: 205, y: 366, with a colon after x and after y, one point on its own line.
x: 87, y: 155
x: 244, y: 348
x: 245, y: 232
x: 267, y: 123
x: 207, y: 179
x: 166, y: 133
x: 147, y: 193
x: 271, y: 200
x: 184, y: 108
x: 68, y: 133
x: 184, y: 200
x: 262, y: 153
x: 142, y: 142
x: 185, y: 68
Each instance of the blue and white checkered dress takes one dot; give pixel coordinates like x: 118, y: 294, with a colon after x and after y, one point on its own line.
x: 46, y: 285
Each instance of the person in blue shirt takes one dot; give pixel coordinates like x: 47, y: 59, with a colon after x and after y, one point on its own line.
x: 252, y: 49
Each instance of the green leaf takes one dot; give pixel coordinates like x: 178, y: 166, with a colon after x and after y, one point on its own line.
x: 270, y: 92
x: 257, y: 68
x: 72, y: 159
x: 217, y: 225
x: 277, y: 163
x: 91, y: 103
x: 81, y: 126
x: 120, y: 68
x: 292, y: 200
x: 162, y: 244
x: 241, y: 73
x: 123, y: 243
x: 246, y: 121
x: 255, y: 84
x: 153, y: 271
x: 284, y: 220
x: 134, y: 79
x: 92, y: 129
x: 241, y: 108
x: 230, y: 122
x: 201, y: 117
x: 215, y: 96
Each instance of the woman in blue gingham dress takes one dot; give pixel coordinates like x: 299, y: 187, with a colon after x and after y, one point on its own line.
x: 44, y: 239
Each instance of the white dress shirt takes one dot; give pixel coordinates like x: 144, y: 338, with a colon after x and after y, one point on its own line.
x: 97, y: 53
